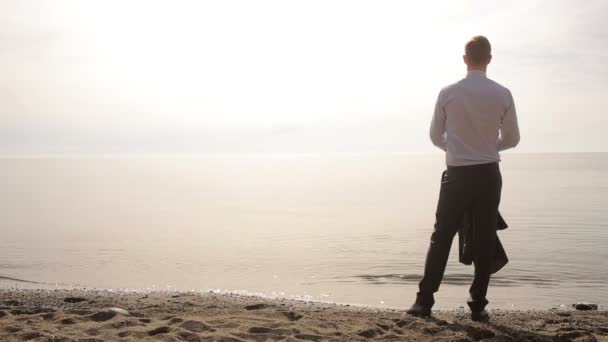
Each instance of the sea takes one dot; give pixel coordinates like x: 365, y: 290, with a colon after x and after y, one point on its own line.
x: 349, y: 229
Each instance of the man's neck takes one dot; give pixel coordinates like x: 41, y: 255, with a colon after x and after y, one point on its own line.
x: 477, y: 68
x: 476, y: 72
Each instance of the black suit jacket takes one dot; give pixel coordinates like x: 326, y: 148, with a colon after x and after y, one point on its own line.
x: 466, y: 242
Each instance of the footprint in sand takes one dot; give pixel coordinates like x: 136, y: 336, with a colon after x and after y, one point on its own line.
x: 256, y: 306
x: 31, y: 335
x: 126, y: 323
x: 479, y: 333
x: 108, y: 314
x: 23, y: 312
x: 196, y: 326
x: 307, y: 337
x: 74, y: 299
x: 47, y: 316
x: 175, y: 320
x: 227, y: 339
x: 124, y: 333
x: 92, y: 331
x: 264, y: 330
x: 292, y: 316
x: 159, y: 330
x: 189, y: 336
x: 370, y: 333
x: 68, y: 320
x: 260, y: 330
x: 384, y: 327
x: 101, y: 316
x: 119, y: 325
x: 79, y: 312
x: 11, y: 329
x: 227, y: 325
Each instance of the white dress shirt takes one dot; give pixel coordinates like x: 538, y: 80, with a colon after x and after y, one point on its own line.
x: 474, y: 119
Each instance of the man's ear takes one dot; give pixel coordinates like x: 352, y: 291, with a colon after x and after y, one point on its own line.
x: 489, y: 59
x: 465, y: 59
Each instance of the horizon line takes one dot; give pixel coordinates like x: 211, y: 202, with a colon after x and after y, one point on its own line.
x: 254, y: 155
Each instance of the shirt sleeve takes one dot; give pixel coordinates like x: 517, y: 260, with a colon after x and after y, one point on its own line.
x: 438, y: 134
x: 509, y: 129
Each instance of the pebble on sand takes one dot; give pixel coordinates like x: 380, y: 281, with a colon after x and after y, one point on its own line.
x: 585, y: 306
x: 120, y: 311
x: 101, y: 316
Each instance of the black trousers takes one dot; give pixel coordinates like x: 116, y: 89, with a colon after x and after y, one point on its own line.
x: 464, y: 188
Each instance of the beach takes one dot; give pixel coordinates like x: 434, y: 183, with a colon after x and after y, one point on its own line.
x: 303, y: 170
x: 102, y: 315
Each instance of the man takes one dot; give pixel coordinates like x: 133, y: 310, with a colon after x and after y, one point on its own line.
x: 474, y: 119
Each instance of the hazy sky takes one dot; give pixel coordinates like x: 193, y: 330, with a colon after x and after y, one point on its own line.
x: 79, y: 77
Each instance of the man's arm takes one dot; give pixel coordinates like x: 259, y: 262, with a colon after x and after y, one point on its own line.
x: 438, y: 135
x: 509, y: 129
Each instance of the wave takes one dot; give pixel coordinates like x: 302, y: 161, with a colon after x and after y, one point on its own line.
x: 20, y: 280
x: 455, y: 279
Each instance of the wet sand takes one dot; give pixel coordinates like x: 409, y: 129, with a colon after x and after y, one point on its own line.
x: 94, y: 315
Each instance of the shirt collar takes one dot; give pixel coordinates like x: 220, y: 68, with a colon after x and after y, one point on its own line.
x: 476, y: 73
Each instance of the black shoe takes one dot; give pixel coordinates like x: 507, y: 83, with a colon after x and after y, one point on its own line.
x: 419, y: 310
x: 480, y: 316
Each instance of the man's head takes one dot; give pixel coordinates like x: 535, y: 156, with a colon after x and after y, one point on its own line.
x: 477, y: 53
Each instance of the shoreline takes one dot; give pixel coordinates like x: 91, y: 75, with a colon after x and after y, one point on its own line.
x: 106, y: 315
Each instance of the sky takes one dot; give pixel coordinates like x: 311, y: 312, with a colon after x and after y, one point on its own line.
x: 195, y: 77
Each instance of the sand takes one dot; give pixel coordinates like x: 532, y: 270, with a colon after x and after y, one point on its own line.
x: 97, y: 315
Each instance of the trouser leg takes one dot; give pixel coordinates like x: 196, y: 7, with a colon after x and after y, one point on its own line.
x: 479, y: 288
x: 453, y: 199
x: 485, y: 206
x: 434, y: 266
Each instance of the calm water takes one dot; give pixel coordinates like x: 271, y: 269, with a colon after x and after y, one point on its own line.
x: 344, y: 229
